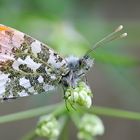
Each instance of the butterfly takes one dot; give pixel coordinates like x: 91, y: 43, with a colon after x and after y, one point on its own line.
x: 28, y: 66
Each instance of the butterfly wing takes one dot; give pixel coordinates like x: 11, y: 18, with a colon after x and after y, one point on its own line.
x: 27, y: 66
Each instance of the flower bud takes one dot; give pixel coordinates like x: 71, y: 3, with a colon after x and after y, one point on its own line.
x: 80, y: 95
x: 90, y: 126
x: 47, y: 127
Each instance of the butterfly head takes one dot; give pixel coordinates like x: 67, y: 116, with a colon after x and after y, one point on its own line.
x: 78, y: 67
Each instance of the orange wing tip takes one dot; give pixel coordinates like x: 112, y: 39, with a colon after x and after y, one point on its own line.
x: 4, y: 28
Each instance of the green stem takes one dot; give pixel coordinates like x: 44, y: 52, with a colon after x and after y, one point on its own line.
x: 30, y: 136
x: 59, y: 109
x: 63, y: 131
x: 28, y: 114
x: 115, y: 113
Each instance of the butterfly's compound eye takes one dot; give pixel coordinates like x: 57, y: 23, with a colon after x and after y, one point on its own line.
x: 86, y: 63
x: 80, y: 62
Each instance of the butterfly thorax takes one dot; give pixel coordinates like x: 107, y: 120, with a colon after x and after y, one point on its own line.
x: 78, y: 67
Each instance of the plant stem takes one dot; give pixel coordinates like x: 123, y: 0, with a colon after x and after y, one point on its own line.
x: 114, y: 113
x: 30, y: 136
x: 63, y: 135
x: 60, y: 108
x: 29, y: 113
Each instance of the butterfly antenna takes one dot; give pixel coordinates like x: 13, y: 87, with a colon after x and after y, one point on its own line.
x: 112, y: 36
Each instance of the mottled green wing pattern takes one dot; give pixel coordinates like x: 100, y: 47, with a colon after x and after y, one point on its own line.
x: 27, y: 66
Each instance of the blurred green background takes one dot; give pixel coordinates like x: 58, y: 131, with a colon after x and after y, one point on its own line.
x: 70, y: 27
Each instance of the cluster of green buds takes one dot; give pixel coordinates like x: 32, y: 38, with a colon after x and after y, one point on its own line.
x: 89, y: 127
x: 48, y: 127
x: 81, y: 95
